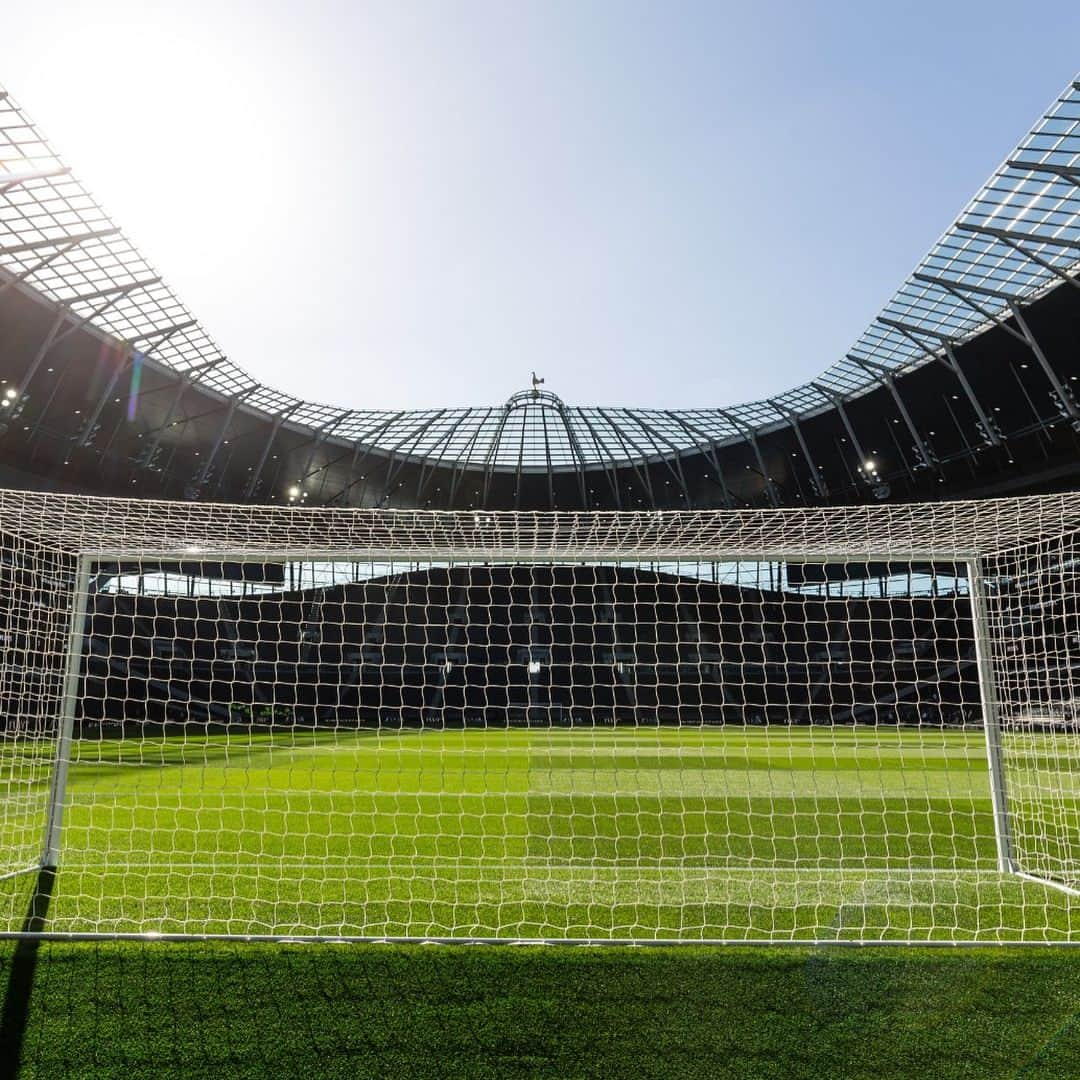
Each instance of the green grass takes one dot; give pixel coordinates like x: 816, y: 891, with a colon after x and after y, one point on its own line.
x: 163, y: 1010
x: 629, y: 833
x: 640, y: 833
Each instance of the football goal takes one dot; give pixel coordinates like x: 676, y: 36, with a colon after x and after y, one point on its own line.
x: 838, y: 724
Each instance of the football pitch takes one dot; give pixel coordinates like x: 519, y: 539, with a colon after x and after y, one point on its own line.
x: 582, y: 833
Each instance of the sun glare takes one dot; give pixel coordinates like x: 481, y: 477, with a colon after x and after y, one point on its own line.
x: 182, y: 144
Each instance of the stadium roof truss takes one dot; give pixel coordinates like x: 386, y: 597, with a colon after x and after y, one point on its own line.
x: 1018, y: 238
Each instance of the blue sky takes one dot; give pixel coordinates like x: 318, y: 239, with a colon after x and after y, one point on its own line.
x: 416, y: 204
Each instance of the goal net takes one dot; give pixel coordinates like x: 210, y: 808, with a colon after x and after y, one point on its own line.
x: 795, y: 725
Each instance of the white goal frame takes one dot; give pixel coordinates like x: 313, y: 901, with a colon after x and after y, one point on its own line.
x: 89, y: 533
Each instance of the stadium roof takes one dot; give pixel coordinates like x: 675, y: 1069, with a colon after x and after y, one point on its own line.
x: 1018, y: 238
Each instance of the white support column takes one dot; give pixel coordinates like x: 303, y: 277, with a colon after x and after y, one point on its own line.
x: 50, y: 857
x: 991, y: 718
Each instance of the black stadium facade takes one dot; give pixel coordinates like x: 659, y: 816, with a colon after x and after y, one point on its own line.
x: 965, y: 385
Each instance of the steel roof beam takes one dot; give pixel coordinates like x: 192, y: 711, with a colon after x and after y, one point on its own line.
x: 136, y: 355
x: 13, y: 180
x: 657, y: 449
x: 639, y: 456
x: 110, y: 386
x: 133, y: 286
x: 1024, y: 335
x: 1009, y: 239
x: 884, y: 376
x: 275, y: 427
x: 168, y: 331
x: 958, y: 291
x: 604, y: 456
x: 429, y: 467
x: 234, y: 403
x: 59, y: 241
x: 418, y: 432
x: 948, y: 357
x: 1020, y: 237
x: 55, y: 337
x: 54, y: 340
x: 985, y: 421
x: 837, y: 401
x: 815, y: 474
x: 751, y: 437
x: 321, y: 436
x: 517, y: 471
x: 367, y: 448
x: 910, y: 328
x: 396, y: 464
x: 352, y: 470
x: 951, y: 286
x: 461, y: 466
x: 548, y: 472
x: 611, y: 472
x: 1060, y: 391
x: 709, y: 450
x: 493, y: 448
x: 673, y: 461
x: 1066, y: 172
x: 547, y: 458
x: 182, y: 384
x: 1044, y: 166
x: 84, y: 320
x: 36, y: 268
x: 58, y: 321
x: 95, y: 413
x: 576, y: 451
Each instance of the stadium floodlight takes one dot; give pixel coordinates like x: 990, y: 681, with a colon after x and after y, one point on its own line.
x: 830, y: 724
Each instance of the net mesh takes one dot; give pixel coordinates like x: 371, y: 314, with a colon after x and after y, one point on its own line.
x: 691, y: 726
x: 1034, y: 607
x: 36, y: 589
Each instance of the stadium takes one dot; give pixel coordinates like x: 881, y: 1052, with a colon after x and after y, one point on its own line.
x: 797, y: 671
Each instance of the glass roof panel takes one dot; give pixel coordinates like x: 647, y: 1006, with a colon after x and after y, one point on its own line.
x: 1018, y: 237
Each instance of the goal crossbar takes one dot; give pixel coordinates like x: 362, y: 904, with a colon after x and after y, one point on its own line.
x: 108, y: 528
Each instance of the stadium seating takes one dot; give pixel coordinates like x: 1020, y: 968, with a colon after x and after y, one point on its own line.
x: 509, y: 645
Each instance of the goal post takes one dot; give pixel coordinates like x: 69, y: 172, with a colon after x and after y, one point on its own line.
x: 68, y: 709
x: 991, y: 716
x: 818, y: 724
x: 36, y: 593
x: 1032, y: 621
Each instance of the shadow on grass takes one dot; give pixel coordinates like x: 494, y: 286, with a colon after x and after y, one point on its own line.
x: 131, y: 1009
x: 20, y: 983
